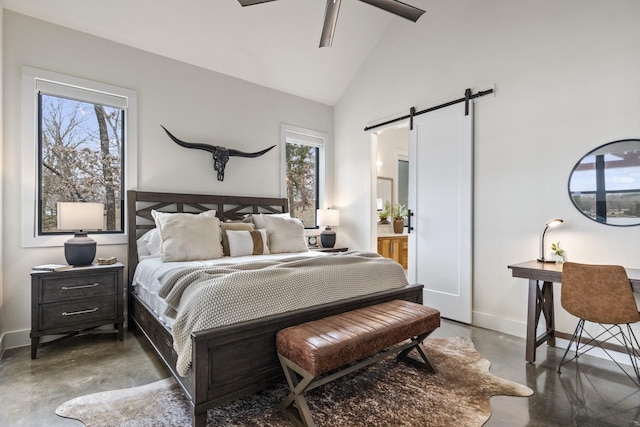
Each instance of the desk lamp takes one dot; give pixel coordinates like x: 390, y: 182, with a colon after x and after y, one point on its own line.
x: 328, y: 218
x: 79, y: 216
x: 551, y: 223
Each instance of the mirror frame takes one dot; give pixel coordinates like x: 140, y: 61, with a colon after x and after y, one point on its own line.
x: 601, y: 150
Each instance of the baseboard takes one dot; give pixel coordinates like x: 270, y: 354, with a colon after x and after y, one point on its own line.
x: 16, y: 339
x: 22, y: 339
x: 2, y: 345
x: 500, y: 324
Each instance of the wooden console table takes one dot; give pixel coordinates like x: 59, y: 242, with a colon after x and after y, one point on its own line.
x: 541, y: 277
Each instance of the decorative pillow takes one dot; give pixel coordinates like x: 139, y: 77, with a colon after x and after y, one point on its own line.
x: 234, y: 226
x: 258, y: 219
x: 243, y: 242
x: 189, y: 237
x: 285, y: 234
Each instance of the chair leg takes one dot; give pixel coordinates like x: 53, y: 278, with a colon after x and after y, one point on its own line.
x: 627, y: 340
x: 575, y: 339
x: 633, y: 350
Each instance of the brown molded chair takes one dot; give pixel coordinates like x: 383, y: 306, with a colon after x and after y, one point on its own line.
x: 601, y: 294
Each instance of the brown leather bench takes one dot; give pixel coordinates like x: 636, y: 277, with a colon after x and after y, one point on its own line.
x: 309, y: 351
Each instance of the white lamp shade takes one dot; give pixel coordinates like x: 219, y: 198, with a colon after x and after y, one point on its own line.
x: 328, y: 217
x: 80, y: 216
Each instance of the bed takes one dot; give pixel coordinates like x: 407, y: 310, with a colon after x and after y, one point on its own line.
x: 238, y: 359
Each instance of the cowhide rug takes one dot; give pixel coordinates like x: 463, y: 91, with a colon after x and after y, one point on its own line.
x: 388, y: 393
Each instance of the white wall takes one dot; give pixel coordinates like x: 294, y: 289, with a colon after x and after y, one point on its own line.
x: 2, y: 336
x: 194, y: 104
x: 566, y: 76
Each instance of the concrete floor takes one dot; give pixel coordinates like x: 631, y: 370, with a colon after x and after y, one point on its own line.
x: 596, y: 394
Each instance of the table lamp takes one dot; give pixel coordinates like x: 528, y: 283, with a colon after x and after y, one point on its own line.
x: 79, y: 217
x: 328, y: 218
x: 551, y: 223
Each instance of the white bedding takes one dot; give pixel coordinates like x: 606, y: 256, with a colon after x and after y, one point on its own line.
x: 151, y: 270
x: 201, y: 298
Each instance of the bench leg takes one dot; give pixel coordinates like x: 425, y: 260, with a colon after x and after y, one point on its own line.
x: 300, y: 381
x: 425, y: 363
x: 295, y: 405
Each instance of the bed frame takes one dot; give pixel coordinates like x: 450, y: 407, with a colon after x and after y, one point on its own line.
x: 236, y: 360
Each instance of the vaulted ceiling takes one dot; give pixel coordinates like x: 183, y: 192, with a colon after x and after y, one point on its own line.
x: 274, y: 44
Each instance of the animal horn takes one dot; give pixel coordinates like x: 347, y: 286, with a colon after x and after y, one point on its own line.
x: 215, y: 148
x: 206, y: 147
x: 238, y: 153
x: 220, y: 154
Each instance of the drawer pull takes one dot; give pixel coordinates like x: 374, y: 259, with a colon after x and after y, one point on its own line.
x: 73, y: 313
x: 68, y: 288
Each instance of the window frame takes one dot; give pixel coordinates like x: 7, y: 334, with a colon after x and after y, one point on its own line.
x: 36, y: 80
x: 39, y: 198
x: 316, y: 139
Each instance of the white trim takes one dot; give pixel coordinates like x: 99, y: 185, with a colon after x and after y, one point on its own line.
x: 299, y: 135
x: 34, y: 79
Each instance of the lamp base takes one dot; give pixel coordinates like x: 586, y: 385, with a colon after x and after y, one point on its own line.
x: 328, y: 238
x: 549, y: 261
x: 80, y: 249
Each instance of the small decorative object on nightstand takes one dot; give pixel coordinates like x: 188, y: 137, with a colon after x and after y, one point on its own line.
x: 312, y: 241
x: 73, y: 300
x: 328, y: 218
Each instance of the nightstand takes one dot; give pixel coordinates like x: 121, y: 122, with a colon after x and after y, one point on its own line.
x: 73, y: 300
x: 329, y: 249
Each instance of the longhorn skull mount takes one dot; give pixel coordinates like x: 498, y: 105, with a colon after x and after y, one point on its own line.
x: 221, y: 155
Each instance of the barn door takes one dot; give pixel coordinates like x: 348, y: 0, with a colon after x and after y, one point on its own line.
x: 440, y: 197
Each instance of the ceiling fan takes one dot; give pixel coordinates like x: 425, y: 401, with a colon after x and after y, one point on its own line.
x: 331, y: 14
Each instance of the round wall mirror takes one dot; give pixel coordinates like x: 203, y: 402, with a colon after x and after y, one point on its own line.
x: 605, y: 184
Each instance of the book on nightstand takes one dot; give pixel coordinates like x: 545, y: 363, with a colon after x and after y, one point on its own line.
x: 51, y: 267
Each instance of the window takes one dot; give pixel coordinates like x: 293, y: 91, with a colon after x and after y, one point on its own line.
x: 303, y: 154
x: 80, y: 159
x: 82, y: 137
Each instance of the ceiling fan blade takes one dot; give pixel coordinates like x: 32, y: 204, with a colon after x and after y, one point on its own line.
x: 330, y: 19
x: 252, y: 2
x: 397, y: 8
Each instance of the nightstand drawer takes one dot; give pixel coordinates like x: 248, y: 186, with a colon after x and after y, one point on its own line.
x: 63, y: 314
x: 76, y: 287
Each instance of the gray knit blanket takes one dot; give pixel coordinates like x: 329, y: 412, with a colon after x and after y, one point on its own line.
x: 200, y: 298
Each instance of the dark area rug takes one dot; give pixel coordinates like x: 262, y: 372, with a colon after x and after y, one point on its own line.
x: 388, y: 393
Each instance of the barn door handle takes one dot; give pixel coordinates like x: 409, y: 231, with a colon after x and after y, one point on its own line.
x: 409, y: 215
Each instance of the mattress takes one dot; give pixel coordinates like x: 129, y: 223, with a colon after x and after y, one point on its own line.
x: 150, y: 270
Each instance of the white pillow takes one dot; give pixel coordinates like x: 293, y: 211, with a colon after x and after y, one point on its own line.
x: 258, y: 219
x: 234, y: 226
x: 189, y: 237
x: 285, y: 234
x: 142, y: 246
x: 150, y: 244
x: 244, y: 242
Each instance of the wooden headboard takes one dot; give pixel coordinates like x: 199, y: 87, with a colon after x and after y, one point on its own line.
x: 141, y: 203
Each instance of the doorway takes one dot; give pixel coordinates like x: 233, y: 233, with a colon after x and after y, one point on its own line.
x: 391, y: 187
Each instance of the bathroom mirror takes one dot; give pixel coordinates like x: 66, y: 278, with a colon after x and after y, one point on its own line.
x: 384, y: 192
x: 605, y: 184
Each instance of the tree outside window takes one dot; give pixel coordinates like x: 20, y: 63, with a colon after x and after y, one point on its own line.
x: 81, y: 159
x: 302, y: 182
